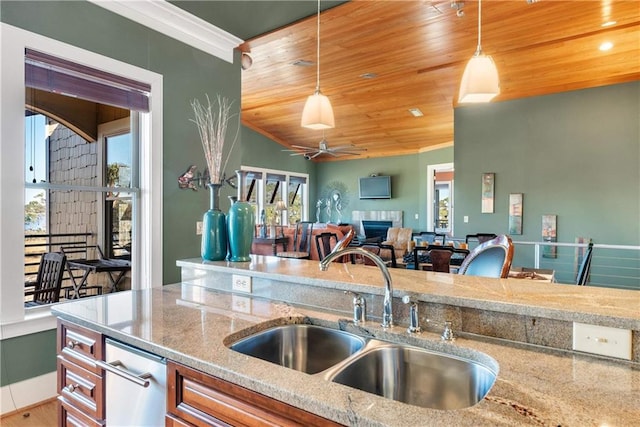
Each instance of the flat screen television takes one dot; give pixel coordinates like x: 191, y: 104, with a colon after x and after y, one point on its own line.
x: 375, y: 187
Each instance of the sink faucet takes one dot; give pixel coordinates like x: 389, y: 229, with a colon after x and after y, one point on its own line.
x: 387, y: 312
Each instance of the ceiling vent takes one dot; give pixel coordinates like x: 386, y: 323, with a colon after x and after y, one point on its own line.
x: 302, y: 63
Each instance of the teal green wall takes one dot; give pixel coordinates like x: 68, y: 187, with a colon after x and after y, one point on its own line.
x: 188, y: 73
x: 408, y: 183
x: 574, y: 154
x: 27, y: 356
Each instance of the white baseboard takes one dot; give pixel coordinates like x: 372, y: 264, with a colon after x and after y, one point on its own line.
x: 28, y: 392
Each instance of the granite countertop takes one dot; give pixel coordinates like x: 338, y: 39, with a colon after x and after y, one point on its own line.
x: 194, y: 325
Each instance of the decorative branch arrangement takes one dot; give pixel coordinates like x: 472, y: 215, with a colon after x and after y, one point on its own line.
x: 212, y: 120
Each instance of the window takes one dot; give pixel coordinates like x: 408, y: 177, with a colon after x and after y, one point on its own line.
x: 15, y: 179
x: 266, y: 187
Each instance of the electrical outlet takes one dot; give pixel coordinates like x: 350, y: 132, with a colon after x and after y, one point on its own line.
x: 416, y: 216
x: 241, y: 283
x: 465, y: 218
x: 603, y: 340
x: 198, y: 227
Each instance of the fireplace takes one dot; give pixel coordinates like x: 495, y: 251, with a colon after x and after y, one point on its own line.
x: 383, y: 217
x: 375, y: 229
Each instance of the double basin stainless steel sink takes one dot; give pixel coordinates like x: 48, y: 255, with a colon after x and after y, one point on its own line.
x: 400, y: 372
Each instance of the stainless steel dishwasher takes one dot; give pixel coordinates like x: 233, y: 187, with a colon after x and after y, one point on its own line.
x: 136, y: 386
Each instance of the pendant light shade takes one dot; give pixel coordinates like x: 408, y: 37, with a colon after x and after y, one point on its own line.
x: 317, y: 112
x: 480, y: 82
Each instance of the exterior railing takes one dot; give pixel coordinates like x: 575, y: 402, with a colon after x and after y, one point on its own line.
x: 35, y: 245
x: 614, y: 266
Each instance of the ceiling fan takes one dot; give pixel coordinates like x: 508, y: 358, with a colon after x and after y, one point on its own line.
x: 323, y: 148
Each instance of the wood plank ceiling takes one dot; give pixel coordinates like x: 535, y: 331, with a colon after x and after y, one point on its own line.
x: 417, y: 51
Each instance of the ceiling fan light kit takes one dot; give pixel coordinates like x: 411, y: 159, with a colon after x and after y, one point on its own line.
x: 480, y: 82
x: 317, y: 113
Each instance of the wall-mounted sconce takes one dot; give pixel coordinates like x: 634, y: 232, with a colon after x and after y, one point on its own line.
x: 192, y: 179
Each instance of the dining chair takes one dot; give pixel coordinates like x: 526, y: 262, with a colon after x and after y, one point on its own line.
x: 301, y: 241
x: 323, y: 243
x: 489, y: 259
x: 49, y: 280
x: 480, y: 237
x: 431, y: 237
x: 582, y: 278
x: 438, y: 256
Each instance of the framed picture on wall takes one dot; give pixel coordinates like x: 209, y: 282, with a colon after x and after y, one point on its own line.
x: 488, y: 188
x: 549, y: 234
x: 515, y: 213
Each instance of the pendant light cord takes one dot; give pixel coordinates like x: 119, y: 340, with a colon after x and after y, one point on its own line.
x: 318, y: 52
x: 479, y: 48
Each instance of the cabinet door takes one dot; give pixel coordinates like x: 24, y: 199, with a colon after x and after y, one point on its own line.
x: 204, y: 400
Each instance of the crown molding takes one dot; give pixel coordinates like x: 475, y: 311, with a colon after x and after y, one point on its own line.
x: 176, y: 23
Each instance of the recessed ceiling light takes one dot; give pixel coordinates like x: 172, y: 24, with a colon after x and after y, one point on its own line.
x: 605, y: 46
x: 609, y: 23
x: 302, y: 63
x: 369, y: 75
x: 415, y: 112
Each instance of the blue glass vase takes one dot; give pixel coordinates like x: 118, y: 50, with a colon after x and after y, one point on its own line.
x: 240, y: 223
x: 214, y: 228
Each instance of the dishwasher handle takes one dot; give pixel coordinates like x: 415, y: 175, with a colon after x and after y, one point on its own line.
x: 141, y: 379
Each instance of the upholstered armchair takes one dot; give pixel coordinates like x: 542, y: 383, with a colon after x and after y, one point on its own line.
x: 399, y: 238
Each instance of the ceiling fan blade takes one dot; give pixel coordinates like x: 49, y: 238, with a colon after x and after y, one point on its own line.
x: 315, y: 155
x: 348, y: 148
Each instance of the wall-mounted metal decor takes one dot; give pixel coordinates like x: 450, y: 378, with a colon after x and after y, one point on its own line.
x: 515, y: 213
x: 549, y: 234
x: 488, y: 183
x: 193, y: 180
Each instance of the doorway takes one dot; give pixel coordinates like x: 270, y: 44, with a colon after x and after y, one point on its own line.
x: 440, y: 207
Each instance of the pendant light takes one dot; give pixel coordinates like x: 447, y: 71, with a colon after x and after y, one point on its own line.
x: 317, y: 113
x: 480, y: 82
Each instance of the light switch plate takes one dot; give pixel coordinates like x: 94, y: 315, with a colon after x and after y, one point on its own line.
x: 603, y: 340
x: 241, y: 283
x: 198, y: 228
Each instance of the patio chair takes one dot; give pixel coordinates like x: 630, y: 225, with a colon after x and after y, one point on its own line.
x: 49, y: 281
x: 489, y: 259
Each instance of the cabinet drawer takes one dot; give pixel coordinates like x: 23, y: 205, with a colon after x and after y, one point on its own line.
x: 68, y: 416
x: 80, y: 345
x: 204, y: 400
x: 81, y: 388
x: 171, y: 421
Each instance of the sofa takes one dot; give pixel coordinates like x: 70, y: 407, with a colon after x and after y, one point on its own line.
x: 266, y: 249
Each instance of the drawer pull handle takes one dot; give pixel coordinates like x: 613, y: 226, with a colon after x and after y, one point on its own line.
x: 72, y: 387
x: 72, y: 344
x: 139, y: 379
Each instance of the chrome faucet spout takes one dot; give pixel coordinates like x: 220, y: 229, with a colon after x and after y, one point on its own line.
x: 387, y: 311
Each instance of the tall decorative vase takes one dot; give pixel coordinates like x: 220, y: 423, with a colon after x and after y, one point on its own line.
x: 214, y: 228
x: 240, y: 223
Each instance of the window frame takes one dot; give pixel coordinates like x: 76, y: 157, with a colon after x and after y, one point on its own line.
x: 147, y: 258
x: 283, y: 191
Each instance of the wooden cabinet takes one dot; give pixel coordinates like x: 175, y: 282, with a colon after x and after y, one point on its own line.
x: 80, y: 379
x: 203, y: 400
